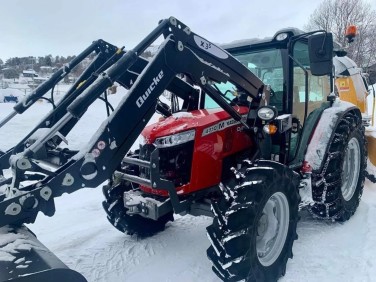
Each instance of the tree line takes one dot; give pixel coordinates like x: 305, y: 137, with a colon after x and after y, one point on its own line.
x: 14, y: 66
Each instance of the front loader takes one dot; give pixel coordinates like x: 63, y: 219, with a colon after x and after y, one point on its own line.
x: 253, y: 134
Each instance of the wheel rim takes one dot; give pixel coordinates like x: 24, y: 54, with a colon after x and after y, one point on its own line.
x: 272, y: 229
x: 350, y: 169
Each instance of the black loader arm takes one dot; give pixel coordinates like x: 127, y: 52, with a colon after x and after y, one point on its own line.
x: 102, y: 48
x: 105, y: 55
x: 182, y: 52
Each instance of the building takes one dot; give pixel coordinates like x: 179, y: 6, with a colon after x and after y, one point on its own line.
x: 29, y: 73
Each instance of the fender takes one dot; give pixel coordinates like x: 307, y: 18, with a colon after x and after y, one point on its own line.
x: 323, y: 134
x: 308, y: 129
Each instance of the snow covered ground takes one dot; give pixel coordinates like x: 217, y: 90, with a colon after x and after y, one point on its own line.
x: 81, y: 237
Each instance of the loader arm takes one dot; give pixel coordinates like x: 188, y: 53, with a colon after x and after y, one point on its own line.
x: 181, y: 52
x: 107, y: 55
x: 100, y: 64
x: 101, y: 47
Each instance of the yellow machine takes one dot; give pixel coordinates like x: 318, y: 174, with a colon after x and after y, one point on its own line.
x: 352, y: 87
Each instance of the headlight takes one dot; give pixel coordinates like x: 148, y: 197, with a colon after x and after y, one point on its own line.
x: 267, y: 113
x: 176, y: 139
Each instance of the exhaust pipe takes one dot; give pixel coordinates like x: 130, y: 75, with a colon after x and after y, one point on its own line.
x: 23, y: 258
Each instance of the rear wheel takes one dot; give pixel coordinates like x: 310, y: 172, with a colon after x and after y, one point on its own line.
x: 254, y: 224
x: 117, y: 213
x: 337, y: 188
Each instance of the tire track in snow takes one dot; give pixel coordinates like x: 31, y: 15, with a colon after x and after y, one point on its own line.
x: 180, y: 255
x: 326, y: 251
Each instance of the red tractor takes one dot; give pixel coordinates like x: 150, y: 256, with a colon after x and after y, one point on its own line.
x: 252, y: 130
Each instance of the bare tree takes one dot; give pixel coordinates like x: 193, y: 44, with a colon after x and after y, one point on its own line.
x: 336, y: 15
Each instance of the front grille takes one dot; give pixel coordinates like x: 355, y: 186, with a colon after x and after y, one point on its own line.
x: 174, y: 162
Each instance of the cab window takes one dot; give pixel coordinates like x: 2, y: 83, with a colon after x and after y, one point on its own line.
x: 225, y: 89
x: 318, y: 86
x: 266, y: 65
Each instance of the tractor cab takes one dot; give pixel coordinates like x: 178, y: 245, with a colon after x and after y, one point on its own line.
x: 299, y: 81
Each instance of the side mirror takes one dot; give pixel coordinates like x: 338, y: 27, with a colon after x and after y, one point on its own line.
x: 320, y: 48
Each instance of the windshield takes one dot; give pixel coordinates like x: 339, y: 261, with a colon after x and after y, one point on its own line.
x: 267, y: 65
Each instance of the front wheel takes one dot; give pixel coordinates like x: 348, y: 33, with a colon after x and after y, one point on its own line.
x: 254, y: 224
x: 130, y: 224
x: 117, y: 213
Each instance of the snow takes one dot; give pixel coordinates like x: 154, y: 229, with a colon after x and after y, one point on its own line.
x: 182, y: 115
x: 10, y: 92
x: 323, y: 131
x: 12, y: 243
x: 305, y: 191
x: 81, y: 237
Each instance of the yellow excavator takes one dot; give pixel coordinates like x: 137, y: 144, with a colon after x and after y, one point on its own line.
x: 353, y: 86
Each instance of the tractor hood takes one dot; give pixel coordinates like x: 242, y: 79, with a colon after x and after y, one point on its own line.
x: 184, y: 121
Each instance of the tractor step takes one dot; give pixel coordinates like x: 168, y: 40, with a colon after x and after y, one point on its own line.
x: 23, y: 258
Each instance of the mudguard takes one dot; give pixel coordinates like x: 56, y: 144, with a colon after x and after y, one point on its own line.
x: 24, y: 259
x: 323, y: 133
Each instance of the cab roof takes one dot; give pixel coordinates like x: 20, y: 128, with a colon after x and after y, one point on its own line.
x: 291, y: 31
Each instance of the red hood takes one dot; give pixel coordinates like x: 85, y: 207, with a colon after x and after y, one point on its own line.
x: 184, y: 121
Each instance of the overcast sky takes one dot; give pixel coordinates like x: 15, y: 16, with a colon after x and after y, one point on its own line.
x: 66, y: 27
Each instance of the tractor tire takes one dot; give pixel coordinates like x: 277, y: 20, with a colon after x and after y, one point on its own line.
x: 130, y: 224
x: 337, y: 188
x: 117, y: 214
x: 254, y: 225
